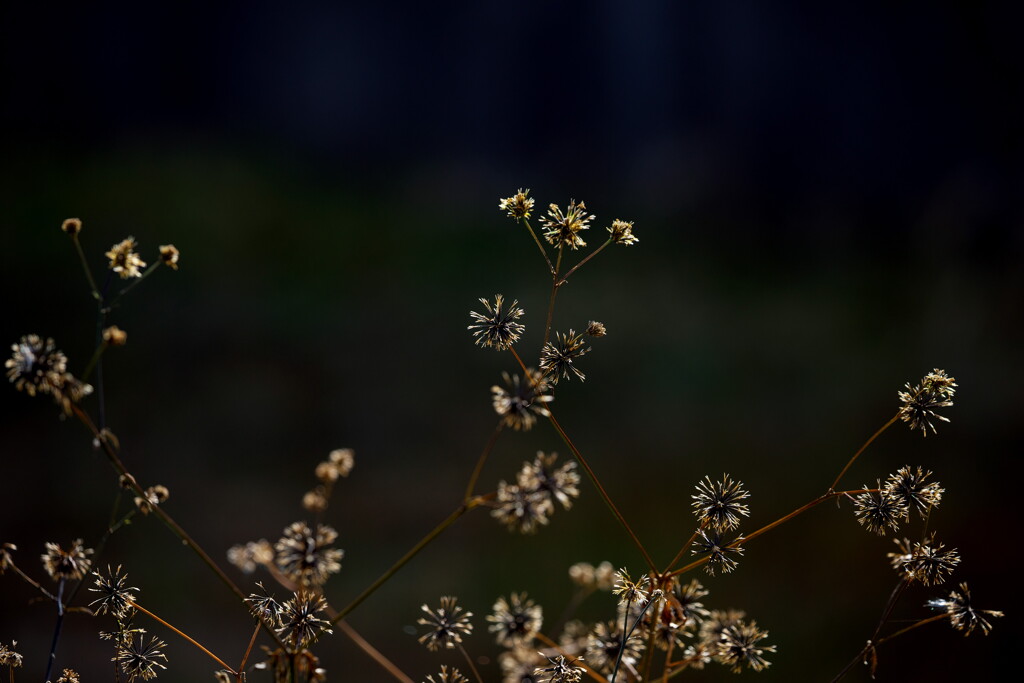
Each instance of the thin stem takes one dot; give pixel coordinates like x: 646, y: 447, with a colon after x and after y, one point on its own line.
x: 862, y: 448
x: 373, y: 652
x: 85, y: 268
x: 423, y: 543
x: 480, y: 462
x: 565, y: 278
x: 871, y: 644
x: 56, y: 631
x: 600, y: 489
x: 922, y: 622
x: 543, y: 251
x: 686, y: 546
x: 554, y: 293
x: 185, y: 636
x: 135, y: 283
x: 622, y: 645
x: 248, y: 650
x: 472, y: 667
x: 96, y: 355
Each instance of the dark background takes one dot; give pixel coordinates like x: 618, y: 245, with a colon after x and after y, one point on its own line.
x: 828, y: 201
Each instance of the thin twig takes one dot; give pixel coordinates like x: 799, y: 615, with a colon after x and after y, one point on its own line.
x: 185, y: 636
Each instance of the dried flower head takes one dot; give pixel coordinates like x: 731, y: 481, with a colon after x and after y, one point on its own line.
x: 5, y: 556
x: 629, y: 591
x: 520, y: 402
x: 154, y: 496
x: 876, y: 511
x: 717, y: 505
x: 558, y: 357
x: 339, y: 464
x: 265, y: 607
x: 604, y: 644
x: 71, y: 564
x: 116, y: 596
x: 315, y: 501
x: 927, y: 562
x: 169, y: 256
x: 254, y: 553
x: 717, y: 550
x: 962, y: 616
x: 586, y: 575
x: 446, y: 676
x: 739, y: 644
x: 520, y: 509
x: 711, y: 629
x: 920, y: 402
x: 10, y: 658
x: 306, y: 557
x: 36, y: 365
x: 561, y: 670
x: 519, y: 665
x: 518, y: 205
x: 298, y: 620
x: 563, y: 229
x: 561, y: 483
x: 596, y: 329
x: 621, y: 232
x: 69, y: 676
x: 498, y: 328
x: 908, y: 485
x: 123, y: 259
x: 71, y: 226
x: 515, y: 621
x: 138, y: 658
x: 447, y: 624
x: 115, y: 336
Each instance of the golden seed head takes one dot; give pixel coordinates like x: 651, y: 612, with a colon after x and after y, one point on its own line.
x: 169, y: 255
x: 621, y: 232
x: 115, y: 336
x: 123, y: 259
x: 518, y: 205
x: 71, y: 226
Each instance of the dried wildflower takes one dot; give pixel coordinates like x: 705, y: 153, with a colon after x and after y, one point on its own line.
x: 520, y: 402
x: 904, y: 555
x: 561, y: 483
x: 116, y: 596
x: 123, y: 259
x: 596, y: 329
x: 603, y: 647
x: 718, y: 551
x: 36, y: 365
x: 497, y: 328
x: 315, y: 501
x: 621, y: 232
x: 518, y: 205
x: 169, y: 256
x: 10, y: 658
x: 298, y: 620
x: 909, y: 486
x: 685, y: 602
x: 446, y: 676
x: 305, y: 557
x: 5, y: 556
x: 154, y: 496
x: 711, y: 629
x: 521, y: 509
x: 717, y: 505
x: 519, y: 665
x: 69, y: 676
x: 339, y: 464
x: 962, y: 616
x: 562, y: 670
x: 563, y: 229
x: 630, y: 591
x: 247, y: 557
x: 71, y: 226
x: 448, y: 624
x: 875, y: 512
x: 139, y: 659
x: 558, y: 357
x: 934, y: 391
x: 586, y: 575
x: 928, y: 563
x: 265, y: 608
x: 71, y: 564
x: 115, y: 336
x: 515, y: 621
x: 739, y: 644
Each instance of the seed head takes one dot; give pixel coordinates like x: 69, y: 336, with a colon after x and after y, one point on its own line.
x: 604, y: 643
x: 116, y: 595
x: 154, y: 496
x: 586, y: 575
x: 920, y: 402
x: 739, y: 644
x: 518, y: 205
x: 927, y: 562
x: 519, y: 665
x: 908, y: 485
x: 498, y: 328
x: 137, y: 658
x: 515, y: 621
x: 115, y: 336
x: 69, y: 676
x: 596, y: 329
x: 630, y: 591
x: 71, y: 564
x: 621, y: 232
x: 71, y: 226
x: 36, y: 365
x: 446, y: 676
x: 875, y: 512
x: 247, y: 557
x: 563, y: 229
x: 718, y: 551
x: 561, y: 670
x: 305, y: 557
x: 717, y: 505
x: 299, y: 621
x: 520, y: 402
x: 520, y: 509
x: 558, y: 357
x: 447, y: 624
x: 8, y: 657
x: 123, y: 259
x: 541, y: 475
x: 962, y: 615
x: 169, y: 255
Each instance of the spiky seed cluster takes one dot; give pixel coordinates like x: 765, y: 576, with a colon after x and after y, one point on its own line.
x: 563, y: 229
x: 629, y: 591
x: 71, y: 226
x: 446, y: 676
x: 516, y: 621
x: 740, y: 644
x: 71, y: 564
x: 169, y: 256
x: 586, y: 575
x: 596, y: 329
x: 962, y: 615
x: 925, y: 562
x: 339, y: 464
x: 560, y: 670
x: 37, y: 366
x: 518, y: 205
x: 621, y: 232
x: 718, y: 550
x: 558, y: 358
x: 921, y: 401
x: 497, y: 328
x: 116, y: 596
x: 519, y: 665
x: 139, y: 658
x: 298, y: 621
x: 155, y: 495
x: 876, y: 511
x: 10, y: 658
x: 447, y: 624
x: 519, y: 403
x: 305, y: 556
x: 908, y: 486
x: 604, y: 643
x: 69, y: 676
x: 541, y: 475
x: 254, y: 553
x: 527, y: 505
x: 123, y: 259
x: 717, y: 504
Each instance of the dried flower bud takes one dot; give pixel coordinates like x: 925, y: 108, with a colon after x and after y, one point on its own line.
x: 71, y: 226
x: 115, y: 336
x: 169, y: 255
x: 596, y: 329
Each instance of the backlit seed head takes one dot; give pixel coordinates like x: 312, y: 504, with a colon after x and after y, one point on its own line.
x: 717, y: 504
x: 71, y: 226
x: 520, y: 402
x: 962, y: 615
x: 71, y: 564
x: 921, y: 401
x: 563, y: 229
x: 497, y: 328
x: 446, y: 625
x: 518, y: 205
x: 621, y: 232
x: 123, y: 259
x: 876, y: 511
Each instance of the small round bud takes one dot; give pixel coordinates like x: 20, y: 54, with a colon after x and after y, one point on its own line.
x: 115, y: 336
x: 72, y: 226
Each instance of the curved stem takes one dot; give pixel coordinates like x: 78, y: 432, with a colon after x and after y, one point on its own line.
x: 56, y: 631
x: 565, y: 278
x: 472, y: 667
x: 373, y: 652
x: 554, y: 293
x: 543, y: 251
x: 862, y: 449
x: 85, y: 268
x: 871, y: 644
x: 480, y: 462
x: 185, y: 636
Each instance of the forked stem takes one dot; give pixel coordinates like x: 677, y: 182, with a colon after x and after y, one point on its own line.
x: 185, y: 636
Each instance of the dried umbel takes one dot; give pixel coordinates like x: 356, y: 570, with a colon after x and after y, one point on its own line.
x: 116, y: 596
x: 71, y: 564
x: 139, y: 658
x: 561, y: 670
x: 558, y: 358
x: 497, y: 328
x: 521, y: 402
x: 621, y: 232
x: 515, y: 621
x: 740, y: 644
x: 37, y: 366
x: 519, y: 205
x: 718, y: 550
x: 305, y: 555
x: 448, y: 676
x: 563, y: 229
x: 123, y: 259
x: 446, y: 625
x: 877, y: 509
x: 921, y: 401
x: 717, y: 504
x: 962, y: 615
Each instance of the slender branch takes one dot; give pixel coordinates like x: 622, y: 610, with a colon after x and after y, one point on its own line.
x: 862, y: 449
x: 472, y: 667
x: 554, y: 293
x: 480, y: 462
x: 248, y: 650
x: 85, y: 268
x: 185, y: 636
x: 886, y: 613
x: 543, y: 251
x: 565, y: 278
x: 922, y: 622
x: 686, y: 546
x: 365, y: 646
x: 56, y: 631
x: 134, y: 283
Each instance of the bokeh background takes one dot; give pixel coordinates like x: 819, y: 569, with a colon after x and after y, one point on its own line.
x: 828, y: 201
